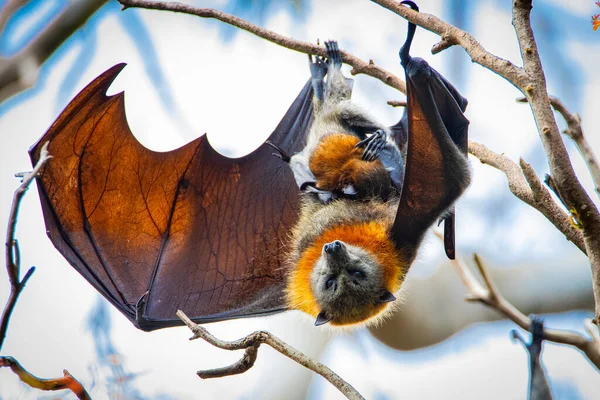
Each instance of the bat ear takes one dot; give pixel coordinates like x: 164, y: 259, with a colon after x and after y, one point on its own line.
x: 386, y: 297
x: 322, y: 319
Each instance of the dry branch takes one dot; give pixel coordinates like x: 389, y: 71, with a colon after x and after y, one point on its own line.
x: 358, y: 66
x: 451, y: 35
x: 396, y: 103
x: 13, y: 262
x: 578, y: 201
x: 575, y: 132
x: 250, y: 344
x: 20, y: 71
x: 65, y: 382
x: 525, y: 185
x: 489, y: 295
x: 530, y: 79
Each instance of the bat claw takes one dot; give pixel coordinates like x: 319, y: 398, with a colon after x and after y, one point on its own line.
x: 282, y: 155
x: 334, y: 56
x: 375, y: 144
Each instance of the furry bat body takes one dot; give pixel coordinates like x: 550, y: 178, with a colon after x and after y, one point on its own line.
x: 190, y: 229
x: 333, y: 164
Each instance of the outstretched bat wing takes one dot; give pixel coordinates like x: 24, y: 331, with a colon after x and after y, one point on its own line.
x: 186, y: 229
x: 436, y: 171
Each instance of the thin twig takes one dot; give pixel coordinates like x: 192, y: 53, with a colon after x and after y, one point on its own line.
x: 251, y: 343
x: 489, y: 295
x: 65, y: 382
x: 12, y: 253
x: 575, y: 132
x: 396, y: 103
x: 358, y: 66
x: 525, y: 185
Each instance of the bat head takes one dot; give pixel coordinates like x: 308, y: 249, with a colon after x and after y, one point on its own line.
x: 348, y: 284
x: 347, y: 275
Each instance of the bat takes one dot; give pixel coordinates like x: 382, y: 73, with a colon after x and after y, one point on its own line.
x: 333, y: 163
x: 216, y: 237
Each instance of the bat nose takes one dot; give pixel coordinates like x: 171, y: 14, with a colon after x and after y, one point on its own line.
x: 333, y: 247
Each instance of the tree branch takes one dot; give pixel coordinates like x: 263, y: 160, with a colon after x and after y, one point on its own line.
x: 531, y: 81
x: 525, y: 185
x: 250, y: 344
x: 65, y: 382
x: 20, y: 71
x: 358, y: 66
x: 396, y: 103
x: 451, y: 35
x: 12, y: 249
x: 574, y: 195
x: 489, y: 295
x: 575, y: 132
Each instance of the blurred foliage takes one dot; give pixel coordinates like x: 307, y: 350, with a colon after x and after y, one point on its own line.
x: 109, y: 367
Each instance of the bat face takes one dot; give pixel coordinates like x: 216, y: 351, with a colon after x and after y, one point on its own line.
x: 349, y: 272
x: 348, y: 284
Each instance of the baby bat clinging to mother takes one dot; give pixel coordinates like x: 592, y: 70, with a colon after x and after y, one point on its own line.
x: 193, y: 230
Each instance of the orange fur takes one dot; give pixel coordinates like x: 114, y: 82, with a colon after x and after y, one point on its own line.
x: 370, y: 236
x: 336, y: 163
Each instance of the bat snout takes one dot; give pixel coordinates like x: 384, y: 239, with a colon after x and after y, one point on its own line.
x: 333, y: 248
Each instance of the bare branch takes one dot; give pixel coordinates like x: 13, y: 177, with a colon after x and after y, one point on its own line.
x: 489, y: 295
x: 358, y: 66
x: 531, y: 81
x: 575, y: 132
x: 12, y: 250
x: 451, y: 35
x: 561, y: 169
x: 396, y: 103
x: 443, y: 44
x: 65, y: 382
x: 19, y: 72
x: 525, y: 185
x: 251, y: 343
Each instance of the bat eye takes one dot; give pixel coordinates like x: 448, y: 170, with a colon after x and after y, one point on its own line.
x: 357, y: 274
x: 331, y: 283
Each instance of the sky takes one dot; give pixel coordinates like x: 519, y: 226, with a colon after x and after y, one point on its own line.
x: 187, y: 76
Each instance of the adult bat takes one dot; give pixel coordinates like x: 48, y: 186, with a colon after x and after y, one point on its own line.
x: 193, y: 230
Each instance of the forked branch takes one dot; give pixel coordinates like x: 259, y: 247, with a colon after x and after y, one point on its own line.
x: 13, y: 262
x: 13, y: 266
x: 489, y: 295
x: 526, y: 186
x: 250, y: 345
x: 575, y: 132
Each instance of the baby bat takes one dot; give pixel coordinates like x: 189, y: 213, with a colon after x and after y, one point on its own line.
x: 223, y: 238
x: 339, y: 160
